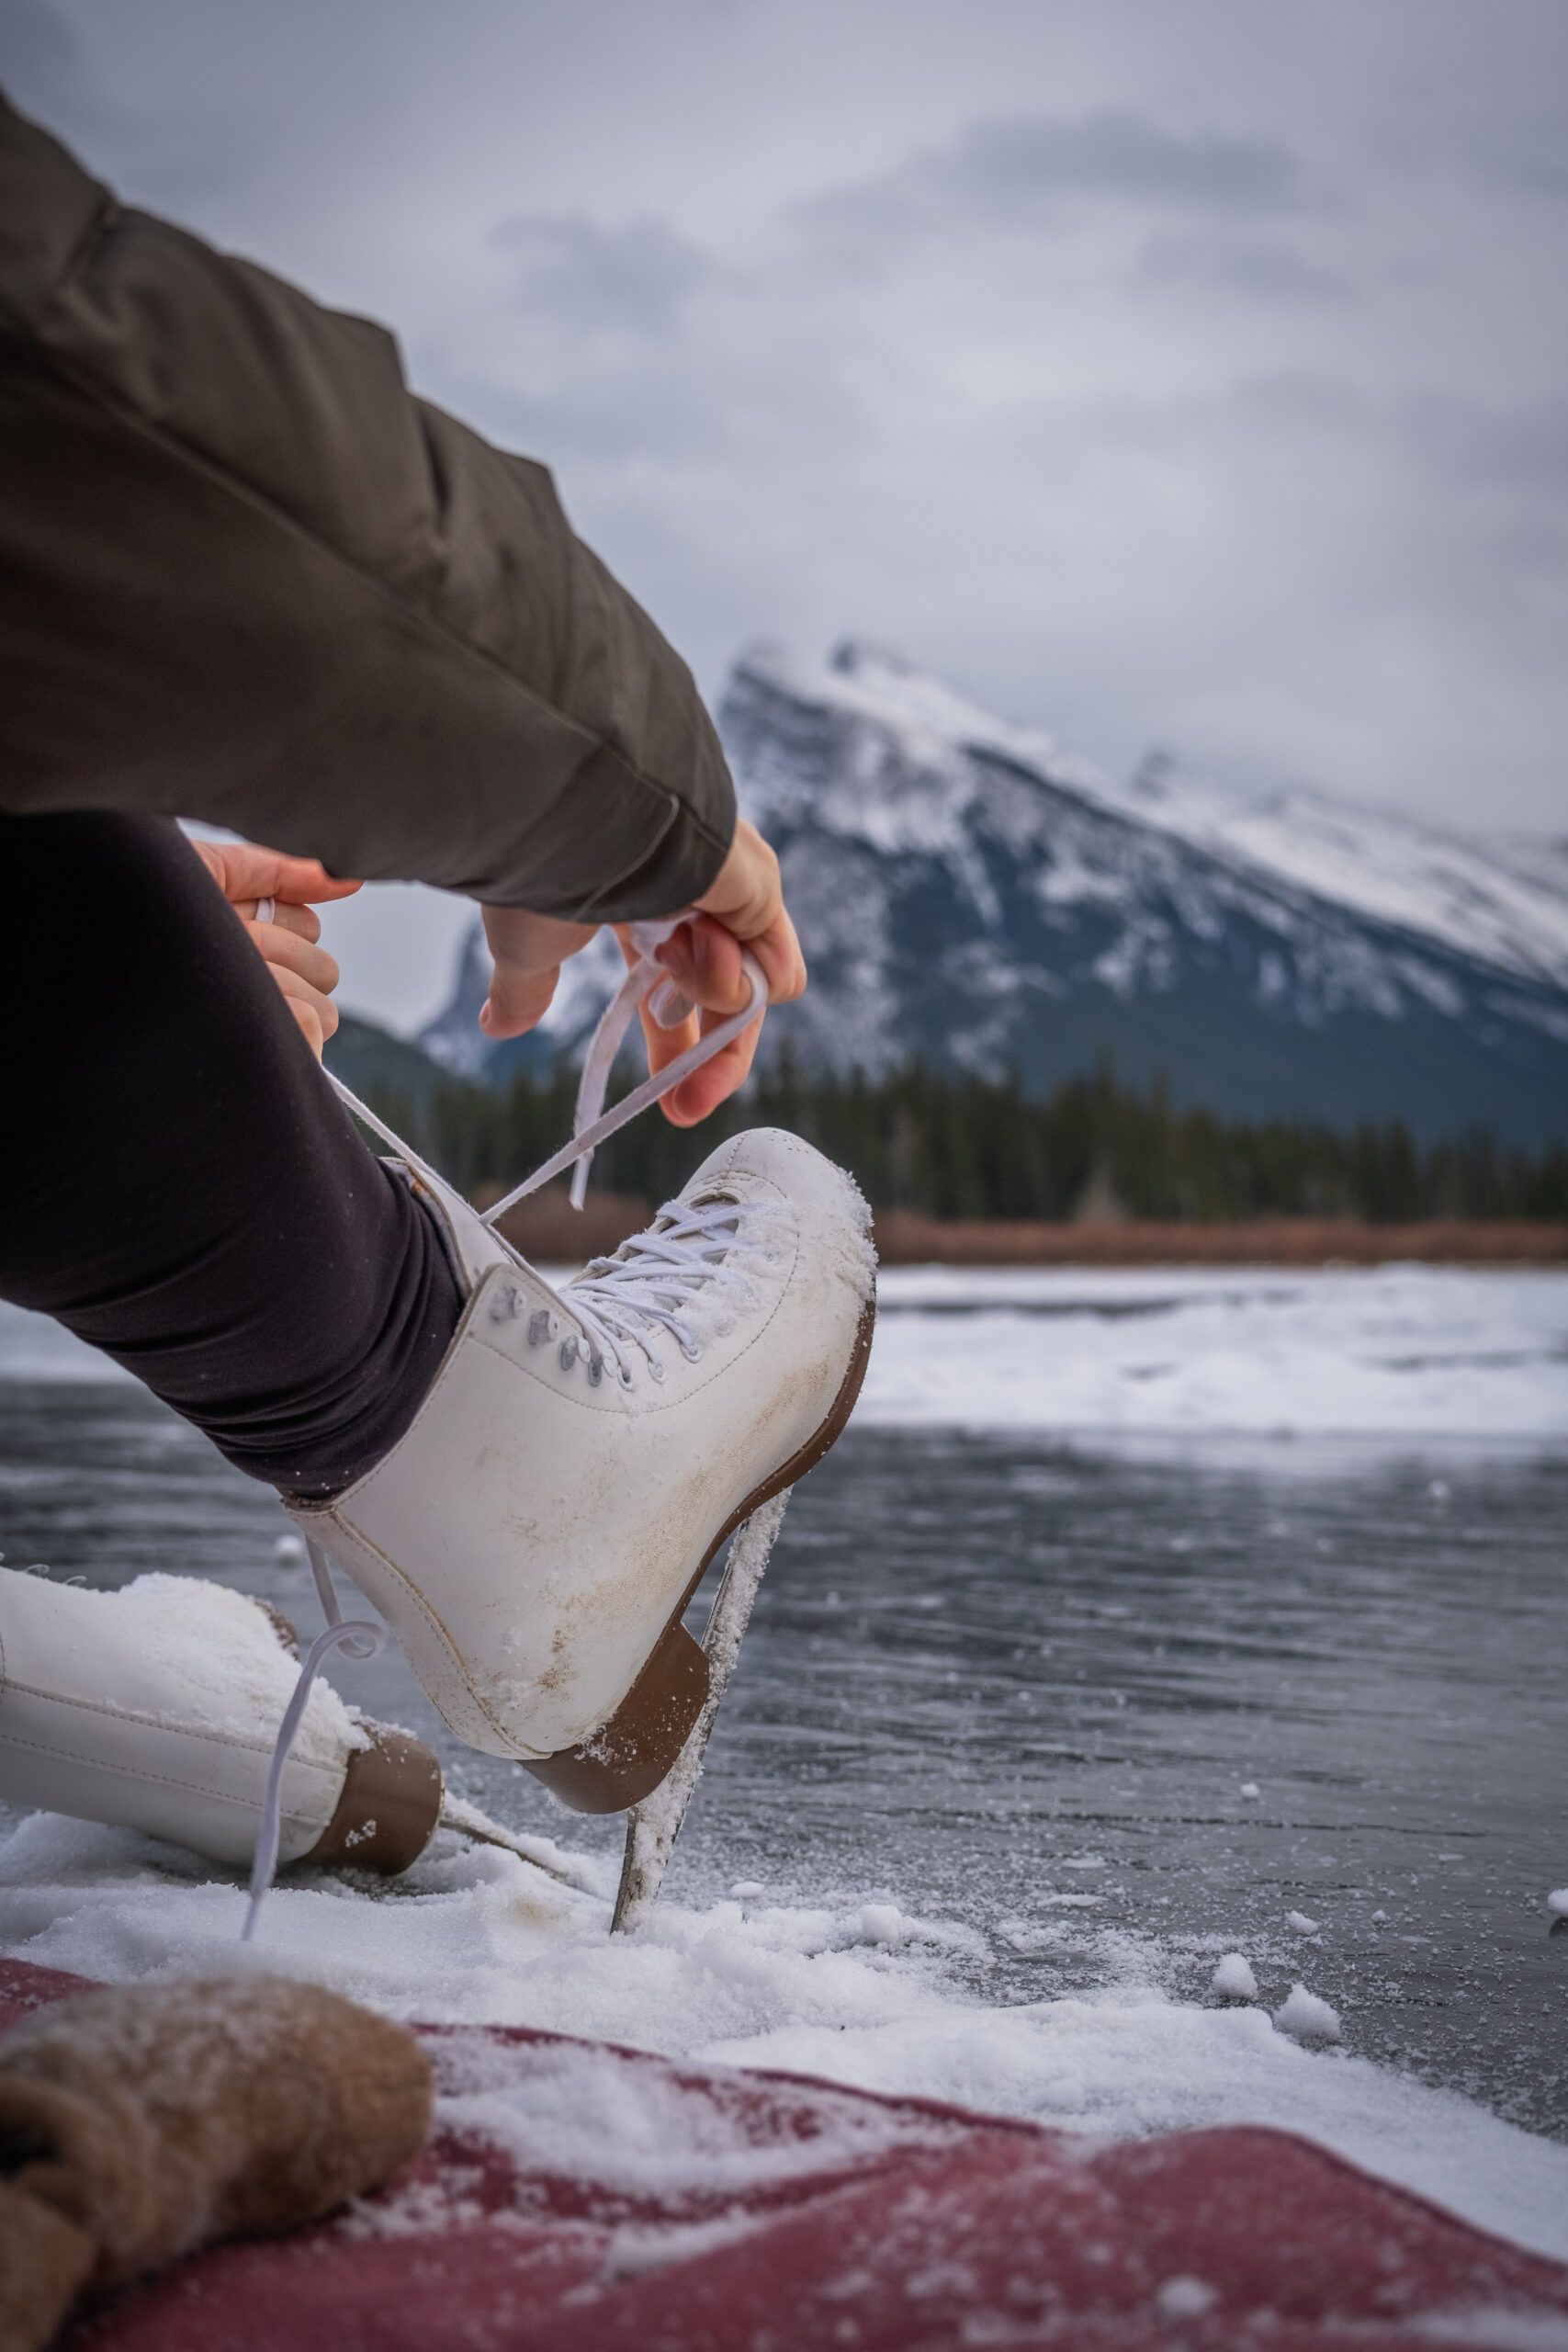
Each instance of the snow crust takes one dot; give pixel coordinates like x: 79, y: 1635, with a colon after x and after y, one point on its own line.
x: 1389, y: 1351
x: 864, y: 1994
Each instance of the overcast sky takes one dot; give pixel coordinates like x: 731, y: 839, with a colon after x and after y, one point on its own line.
x: 1177, y: 372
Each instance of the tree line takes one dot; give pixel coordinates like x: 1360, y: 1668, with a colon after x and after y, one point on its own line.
x: 960, y: 1147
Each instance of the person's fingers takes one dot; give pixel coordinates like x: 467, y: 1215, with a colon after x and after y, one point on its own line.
x: 303, y: 921
x: 691, y: 1102
x: 316, y: 1013
x: 529, y: 950
x: 516, y: 1000
x: 717, y: 1079
x: 246, y: 872
x: 746, y: 894
x: 309, y: 1020
x: 286, y: 951
x: 747, y: 898
x: 704, y: 960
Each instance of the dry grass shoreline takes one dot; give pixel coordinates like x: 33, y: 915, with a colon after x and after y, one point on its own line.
x: 546, y: 1227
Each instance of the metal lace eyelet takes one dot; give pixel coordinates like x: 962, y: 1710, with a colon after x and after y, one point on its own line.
x: 541, y: 1327
x: 656, y: 1372
x: 569, y: 1352
x: 627, y: 1378
x: 595, y: 1371
x: 693, y: 1353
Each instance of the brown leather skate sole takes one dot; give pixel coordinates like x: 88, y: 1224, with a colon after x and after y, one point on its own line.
x: 627, y: 1758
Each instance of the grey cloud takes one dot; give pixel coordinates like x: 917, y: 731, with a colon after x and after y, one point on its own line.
x: 629, y: 280
x: 1251, y: 269
x: 1531, y: 160
x: 1004, y: 176
x: 998, y: 166
x: 1017, y: 169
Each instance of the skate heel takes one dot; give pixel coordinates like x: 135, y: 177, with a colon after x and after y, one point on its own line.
x: 628, y: 1757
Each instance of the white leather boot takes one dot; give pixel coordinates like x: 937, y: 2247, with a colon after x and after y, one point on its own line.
x: 156, y: 1708
x: 535, y: 1537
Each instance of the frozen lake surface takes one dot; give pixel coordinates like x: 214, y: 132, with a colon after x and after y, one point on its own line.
x: 1140, y: 1618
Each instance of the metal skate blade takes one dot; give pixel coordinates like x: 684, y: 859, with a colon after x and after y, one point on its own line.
x: 653, y: 1826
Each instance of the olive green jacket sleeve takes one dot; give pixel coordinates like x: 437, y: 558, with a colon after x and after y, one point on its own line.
x: 246, y: 576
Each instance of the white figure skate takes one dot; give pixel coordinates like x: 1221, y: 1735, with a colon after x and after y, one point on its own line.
x: 156, y: 1708
x: 536, y: 1536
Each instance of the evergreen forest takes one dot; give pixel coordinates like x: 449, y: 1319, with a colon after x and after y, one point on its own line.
x: 962, y: 1147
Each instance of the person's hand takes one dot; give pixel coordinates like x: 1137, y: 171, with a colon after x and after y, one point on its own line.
x: 528, y: 952
x: 743, y: 908
x: 246, y: 874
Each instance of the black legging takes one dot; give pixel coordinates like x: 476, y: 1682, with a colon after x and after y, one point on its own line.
x: 181, y: 1186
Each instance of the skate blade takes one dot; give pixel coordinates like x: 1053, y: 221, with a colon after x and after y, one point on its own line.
x: 653, y: 1825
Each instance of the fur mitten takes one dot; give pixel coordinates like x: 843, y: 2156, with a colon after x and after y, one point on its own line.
x: 141, y: 2122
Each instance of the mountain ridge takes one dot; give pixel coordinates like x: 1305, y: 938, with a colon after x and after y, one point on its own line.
x: 972, y: 894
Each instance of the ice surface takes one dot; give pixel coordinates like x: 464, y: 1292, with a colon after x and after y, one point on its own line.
x: 1396, y: 1350
x: 864, y: 1994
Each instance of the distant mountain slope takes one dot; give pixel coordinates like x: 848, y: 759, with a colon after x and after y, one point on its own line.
x: 969, y: 892
x: 1507, y: 906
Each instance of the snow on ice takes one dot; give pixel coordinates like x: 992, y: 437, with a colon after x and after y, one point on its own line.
x: 864, y: 1994
x: 1306, y: 2018
x: 1389, y: 1351
x: 1234, y: 1980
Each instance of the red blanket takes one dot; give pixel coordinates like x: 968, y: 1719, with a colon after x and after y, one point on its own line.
x: 578, y: 2197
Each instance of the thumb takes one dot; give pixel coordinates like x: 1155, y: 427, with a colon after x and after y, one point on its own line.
x: 516, y: 1000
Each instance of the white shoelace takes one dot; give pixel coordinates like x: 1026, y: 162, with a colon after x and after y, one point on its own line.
x: 655, y: 1279
x: 621, y: 1302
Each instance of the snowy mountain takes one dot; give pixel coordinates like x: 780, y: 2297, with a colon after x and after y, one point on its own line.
x: 969, y: 892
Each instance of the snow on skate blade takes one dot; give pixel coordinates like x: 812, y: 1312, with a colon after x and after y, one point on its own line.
x: 860, y: 1992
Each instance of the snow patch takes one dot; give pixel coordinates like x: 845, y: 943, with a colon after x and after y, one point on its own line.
x: 1234, y: 1979
x: 862, y: 1993
x: 1380, y: 1352
x: 1307, y: 2019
